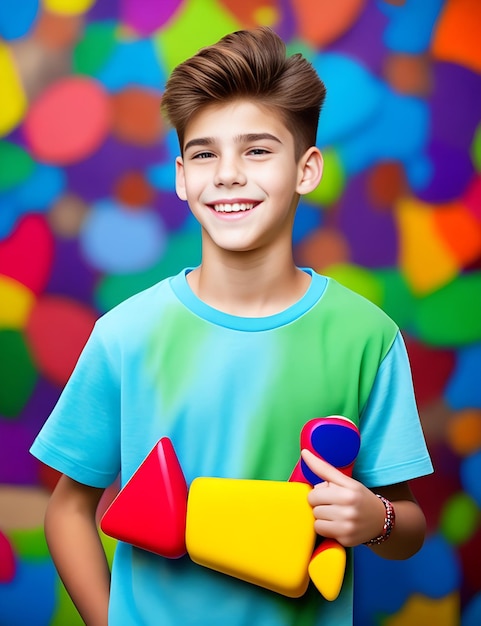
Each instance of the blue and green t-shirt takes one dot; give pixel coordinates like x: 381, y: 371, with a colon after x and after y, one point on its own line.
x: 232, y: 394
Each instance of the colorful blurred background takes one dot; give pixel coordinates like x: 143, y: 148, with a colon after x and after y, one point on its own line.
x: 89, y: 216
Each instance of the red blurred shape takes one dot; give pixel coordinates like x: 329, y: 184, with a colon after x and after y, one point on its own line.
x: 57, y: 331
x: 27, y: 254
x: 7, y: 560
x: 431, y: 370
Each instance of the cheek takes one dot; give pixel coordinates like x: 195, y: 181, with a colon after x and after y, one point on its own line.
x: 280, y: 177
x: 194, y: 182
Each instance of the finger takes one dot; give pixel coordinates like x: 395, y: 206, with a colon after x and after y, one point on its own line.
x: 323, y: 469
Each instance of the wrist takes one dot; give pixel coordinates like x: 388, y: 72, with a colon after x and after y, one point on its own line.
x: 388, y: 526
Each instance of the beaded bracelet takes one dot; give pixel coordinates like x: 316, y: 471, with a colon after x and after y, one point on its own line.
x: 389, y: 522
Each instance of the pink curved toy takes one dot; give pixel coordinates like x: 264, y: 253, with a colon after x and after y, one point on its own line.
x: 334, y: 439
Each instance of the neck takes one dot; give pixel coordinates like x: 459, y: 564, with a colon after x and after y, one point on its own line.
x: 249, y: 284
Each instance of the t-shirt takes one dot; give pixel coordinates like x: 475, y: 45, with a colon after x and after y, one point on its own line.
x: 232, y: 394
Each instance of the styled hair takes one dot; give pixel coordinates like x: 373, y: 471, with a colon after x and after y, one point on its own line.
x: 250, y: 64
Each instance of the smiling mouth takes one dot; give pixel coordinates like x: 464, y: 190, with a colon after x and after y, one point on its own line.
x: 235, y: 207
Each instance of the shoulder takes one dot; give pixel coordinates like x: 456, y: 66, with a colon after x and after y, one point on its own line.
x: 358, y: 316
x: 349, y: 302
x: 127, y: 327
x: 138, y: 302
x: 137, y: 311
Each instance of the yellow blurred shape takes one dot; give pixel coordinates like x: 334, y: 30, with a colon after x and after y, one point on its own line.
x: 259, y: 531
x: 420, y: 610
x: 266, y: 16
x: 424, y: 258
x: 327, y: 568
x: 68, y: 7
x: 12, y: 96
x: 16, y: 303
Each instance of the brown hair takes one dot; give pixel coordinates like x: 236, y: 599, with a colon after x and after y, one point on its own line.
x: 248, y: 64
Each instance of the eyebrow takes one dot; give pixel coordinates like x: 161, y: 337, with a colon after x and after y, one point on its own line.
x: 247, y: 138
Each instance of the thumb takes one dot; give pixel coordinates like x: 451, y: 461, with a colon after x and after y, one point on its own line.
x: 322, y: 468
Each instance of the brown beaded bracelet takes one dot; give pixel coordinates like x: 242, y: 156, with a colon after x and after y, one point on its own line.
x: 389, y: 522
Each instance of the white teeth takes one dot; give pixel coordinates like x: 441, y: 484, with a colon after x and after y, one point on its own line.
x: 233, y: 208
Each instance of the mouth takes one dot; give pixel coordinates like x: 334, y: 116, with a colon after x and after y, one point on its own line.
x: 233, y: 207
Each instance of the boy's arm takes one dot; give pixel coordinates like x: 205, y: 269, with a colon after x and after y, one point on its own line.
x: 409, y: 529
x: 346, y: 510
x: 76, y: 549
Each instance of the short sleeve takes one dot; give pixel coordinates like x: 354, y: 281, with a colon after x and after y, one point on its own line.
x: 81, y: 437
x: 393, y: 448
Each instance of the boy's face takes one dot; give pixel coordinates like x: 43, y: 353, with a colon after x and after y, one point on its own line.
x: 240, y: 176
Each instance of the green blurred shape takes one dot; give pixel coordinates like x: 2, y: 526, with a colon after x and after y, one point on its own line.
x: 476, y: 148
x: 182, y: 250
x: 29, y: 543
x: 17, y: 373
x: 16, y: 165
x: 65, y: 611
x: 459, y: 519
x: 451, y: 316
x: 333, y: 180
x: 398, y: 301
x: 357, y: 278
x: 197, y: 24
x: 297, y: 46
x: 94, y: 49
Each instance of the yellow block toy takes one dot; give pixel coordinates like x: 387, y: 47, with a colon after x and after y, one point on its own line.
x: 257, y: 530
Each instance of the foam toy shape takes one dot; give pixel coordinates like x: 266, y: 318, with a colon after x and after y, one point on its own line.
x: 150, y: 510
x: 326, y: 568
x: 257, y: 530
x: 335, y: 439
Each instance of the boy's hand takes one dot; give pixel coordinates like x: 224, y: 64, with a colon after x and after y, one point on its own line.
x: 344, y: 509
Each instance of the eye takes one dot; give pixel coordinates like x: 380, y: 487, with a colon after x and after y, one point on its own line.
x: 258, y: 151
x: 203, y: 155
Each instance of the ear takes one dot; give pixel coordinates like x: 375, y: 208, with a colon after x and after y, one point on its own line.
x: 180, y: 179
x: 310, y: 170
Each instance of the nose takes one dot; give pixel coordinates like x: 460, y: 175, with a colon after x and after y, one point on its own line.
x: 229, y: 172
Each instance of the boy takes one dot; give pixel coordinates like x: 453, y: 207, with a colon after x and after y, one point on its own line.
x: 230, y: 359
